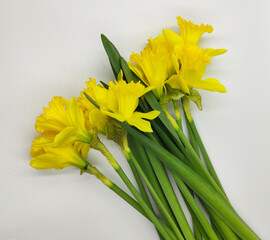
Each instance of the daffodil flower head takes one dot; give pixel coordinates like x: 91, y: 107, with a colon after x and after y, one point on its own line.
x: 54, y: 119
x: 76, y: 130
x: 122, y: 101
x: 58, y: 158
x: 190, y: 32
x: 190, y: 64
x: 153, y: 65
x: 94, y: 118
x: 64, y: 122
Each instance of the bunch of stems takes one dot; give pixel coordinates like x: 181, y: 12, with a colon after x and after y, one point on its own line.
x: 166, y: 157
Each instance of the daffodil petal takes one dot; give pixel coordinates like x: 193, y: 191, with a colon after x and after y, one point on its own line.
x: 67, y: 136
x: 210, y: 84
x: 141, y: 124
x: 147, y: 89
x: 215, y: 52
x: 173, y: 81
x: 47, y: 161
x: 137, y: 120
x: 176, y: 82
x: 74, y: 113
x: 114, y: 115
x: 139, y: 72
x: 172, y: 37
x: 149, y: 115
x: 58, y: 158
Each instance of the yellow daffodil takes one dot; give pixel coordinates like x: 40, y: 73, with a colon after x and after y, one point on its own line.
x: 190, y: 35
x: 58, y: 158
x: 94, y: 118
x: 120, y: 101
x: 153, y: 65
x: 63, y: 121
x: 39, y: 145
x: 54, y: 119
x: 189, y: 74
x: 76, y: 130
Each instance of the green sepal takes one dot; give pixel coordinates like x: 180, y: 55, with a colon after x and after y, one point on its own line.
x: 174, y: 94
x: 196, y: 98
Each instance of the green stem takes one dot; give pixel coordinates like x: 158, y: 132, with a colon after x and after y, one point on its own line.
x: 171, y: 197
x: 144, y: 205
x: 205, y: 191
x: 107, y: 182
x: 128, y: 199
x: 207, y: 160
x: 138, y: 181
x: 140, y: 184
x: 195, y: 208
x: 177, y: 113
x: 140, y: 154
x: 197, y: 164
x: 217, y: 231
x: 159, y: 225
x: 226, y: 231
x: 192, y: 139
x: 156, y: 197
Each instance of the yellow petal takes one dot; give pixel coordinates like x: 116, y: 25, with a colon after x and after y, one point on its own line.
x: 137, y: 120
x: 114, y: 115
x: 58, y: 158
x: 210, y: 84
x: 75, y: 114
x: 149, y: 115
x: 172, y: 37
x: 39, y: 144
x: 177, y: 82
x: 98, y: 120
x: 47, y: 161
x: 141, y: 124
x: 215, y: 52
x: 139, y: 72
x: 65, y: 137
x: 54, y: 118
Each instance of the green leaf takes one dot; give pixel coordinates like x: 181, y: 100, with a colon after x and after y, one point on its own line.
x: 126, y: 70
x: 104, y: 84
x: 202, y: 188
x: 92, y: 100
x: 113, y: 55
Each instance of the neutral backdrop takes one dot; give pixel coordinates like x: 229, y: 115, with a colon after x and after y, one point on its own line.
x: 50, y: 48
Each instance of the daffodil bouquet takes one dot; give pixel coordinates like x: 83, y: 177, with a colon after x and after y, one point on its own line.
x: 132, y: 112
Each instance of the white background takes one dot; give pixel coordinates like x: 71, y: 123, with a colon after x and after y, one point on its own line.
x: 50, y: 48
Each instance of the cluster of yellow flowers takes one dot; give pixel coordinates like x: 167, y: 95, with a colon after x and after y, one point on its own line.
x: 67, y: 127
x: 172, y: 66
x: 176, y: 60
